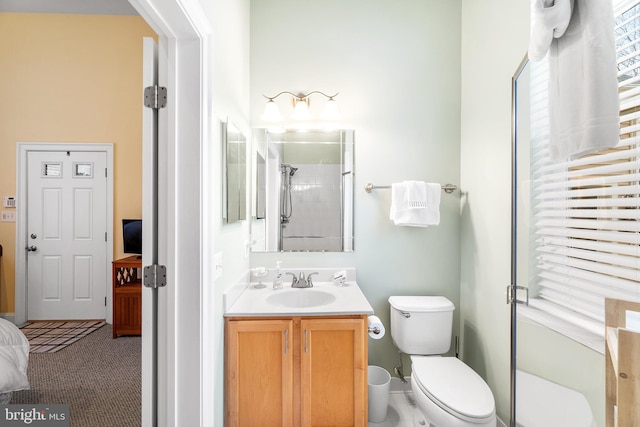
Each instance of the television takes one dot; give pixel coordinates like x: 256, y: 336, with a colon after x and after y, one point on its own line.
x: 132, y: 236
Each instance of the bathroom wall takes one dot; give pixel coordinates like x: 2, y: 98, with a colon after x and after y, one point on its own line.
x: 492, y: 49
x: 396, y: 66
x: 229, y: 100
x: 229, y: 89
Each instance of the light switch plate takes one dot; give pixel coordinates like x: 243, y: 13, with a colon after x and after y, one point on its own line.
x: 8, y: 216
x: 217, y: 263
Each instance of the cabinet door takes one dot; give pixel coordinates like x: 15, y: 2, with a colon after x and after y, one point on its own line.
x: 127, y: 310
x: 333, y: 372
x: 259, y: 370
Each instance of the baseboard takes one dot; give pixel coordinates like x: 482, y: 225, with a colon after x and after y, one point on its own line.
x: 397, y: 385
x: 11, y: 317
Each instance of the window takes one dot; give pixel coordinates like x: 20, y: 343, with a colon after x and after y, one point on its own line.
x: 585, y: 213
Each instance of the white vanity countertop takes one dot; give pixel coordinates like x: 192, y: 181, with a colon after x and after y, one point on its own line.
x: 349, y: 299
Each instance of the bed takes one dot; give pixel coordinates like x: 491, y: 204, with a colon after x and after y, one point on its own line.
x: 14, y: 359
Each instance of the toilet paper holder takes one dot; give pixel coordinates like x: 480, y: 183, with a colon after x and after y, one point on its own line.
x: 374, y: 329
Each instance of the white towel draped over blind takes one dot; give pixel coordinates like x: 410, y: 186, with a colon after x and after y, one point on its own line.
x: 549, y: 20
x: 583, y: 96
x: 586, y: 212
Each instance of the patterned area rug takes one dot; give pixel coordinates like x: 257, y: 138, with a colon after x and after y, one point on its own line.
x: 49, y: 337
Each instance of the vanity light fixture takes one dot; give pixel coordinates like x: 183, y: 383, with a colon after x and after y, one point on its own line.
x: 300, y: 104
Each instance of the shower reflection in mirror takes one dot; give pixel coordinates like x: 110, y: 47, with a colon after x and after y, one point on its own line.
x: 286, y: 208
x: 307, y: 191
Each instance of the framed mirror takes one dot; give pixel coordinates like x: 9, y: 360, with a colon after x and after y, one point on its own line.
x: 304, y: 191
x: 234, y: 193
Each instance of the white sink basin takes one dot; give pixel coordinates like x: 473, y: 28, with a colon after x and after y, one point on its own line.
x: 324, y: 299
x: 301, y: 298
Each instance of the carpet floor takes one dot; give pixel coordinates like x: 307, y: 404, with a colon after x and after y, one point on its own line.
x: 99, y: 377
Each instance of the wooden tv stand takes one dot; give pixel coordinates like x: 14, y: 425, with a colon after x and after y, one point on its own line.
x: 127, y: 296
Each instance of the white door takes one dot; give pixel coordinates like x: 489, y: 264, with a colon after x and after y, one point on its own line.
x: 66, y: 235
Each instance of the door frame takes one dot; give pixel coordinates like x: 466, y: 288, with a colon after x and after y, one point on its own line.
x: 186, y: 335
x: 23, y: 149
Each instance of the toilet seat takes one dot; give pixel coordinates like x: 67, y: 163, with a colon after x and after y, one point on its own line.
x: 454, y: 387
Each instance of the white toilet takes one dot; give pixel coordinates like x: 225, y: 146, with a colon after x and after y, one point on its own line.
x: 448, y: 392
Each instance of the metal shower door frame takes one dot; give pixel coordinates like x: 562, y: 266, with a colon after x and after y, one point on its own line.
x: 513, y: 288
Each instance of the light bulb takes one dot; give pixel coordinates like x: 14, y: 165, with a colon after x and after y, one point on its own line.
x: 331, y: 111
x: 301, y: 110
x: 271, y: 112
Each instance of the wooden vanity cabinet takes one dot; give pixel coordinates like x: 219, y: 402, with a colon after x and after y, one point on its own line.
x: 297, y: 371
x: 333, y: 379
x: 259, y: 372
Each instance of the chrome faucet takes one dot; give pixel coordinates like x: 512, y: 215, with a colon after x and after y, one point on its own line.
x: 309, y: 282
x: 301, y: 281
x: 294, y: 280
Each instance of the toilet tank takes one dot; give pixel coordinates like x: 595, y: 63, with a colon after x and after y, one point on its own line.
x: 421, y: 324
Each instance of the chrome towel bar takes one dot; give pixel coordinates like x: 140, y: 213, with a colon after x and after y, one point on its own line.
x: 448, y: 188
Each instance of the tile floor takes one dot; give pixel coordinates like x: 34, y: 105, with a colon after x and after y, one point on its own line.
x: 402, y: 410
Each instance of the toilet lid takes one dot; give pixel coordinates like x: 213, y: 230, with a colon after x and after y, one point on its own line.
x: 454, y: 386
x: 421, y: 303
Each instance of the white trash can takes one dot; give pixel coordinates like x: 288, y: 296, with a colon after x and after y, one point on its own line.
x: 379, y: 382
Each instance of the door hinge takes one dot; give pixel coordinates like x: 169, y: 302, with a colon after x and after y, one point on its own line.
x: 105, y: 237
x: 155, y: 276
x: 155, y: 97
x: 105, y: 301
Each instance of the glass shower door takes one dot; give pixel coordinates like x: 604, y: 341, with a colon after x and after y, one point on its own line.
x: 547, y: 367
x: 517, y: 292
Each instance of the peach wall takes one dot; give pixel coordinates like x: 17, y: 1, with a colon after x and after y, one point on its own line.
x: 70, y: 78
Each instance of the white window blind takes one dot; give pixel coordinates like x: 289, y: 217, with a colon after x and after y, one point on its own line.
x: 586, y: 213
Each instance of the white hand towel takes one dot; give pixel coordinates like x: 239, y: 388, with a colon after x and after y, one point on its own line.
x: 398, y: 191
x: 415, y: 204
x: 549, y: 20
x: 417, y: 195
x: 584, y: 108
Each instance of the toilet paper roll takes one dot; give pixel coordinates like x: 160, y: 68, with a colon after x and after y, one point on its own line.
x: 375, y: 327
